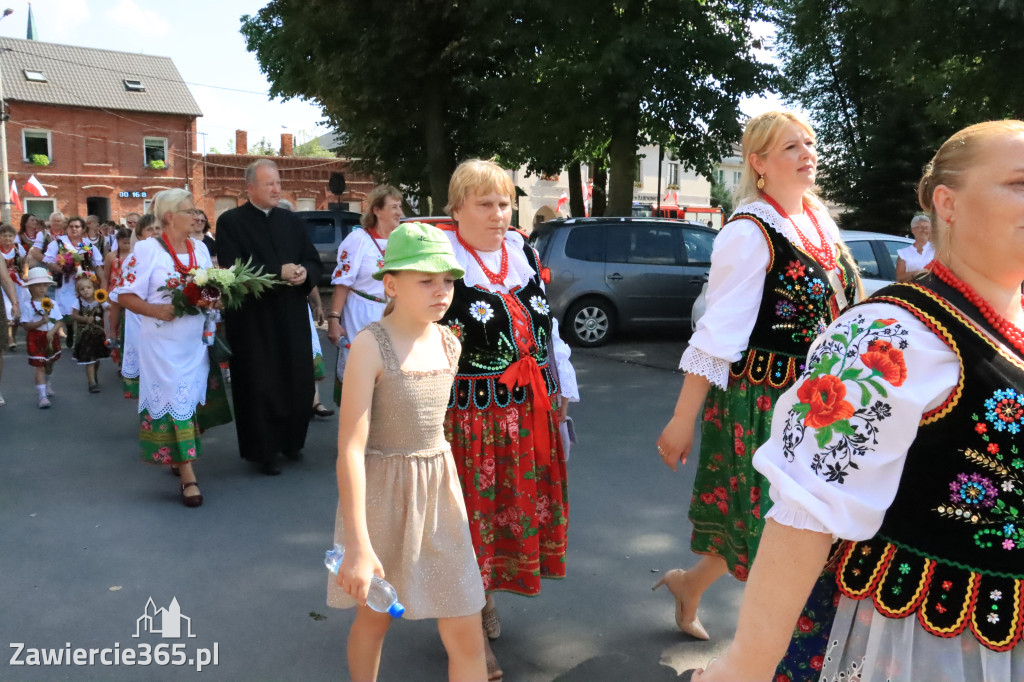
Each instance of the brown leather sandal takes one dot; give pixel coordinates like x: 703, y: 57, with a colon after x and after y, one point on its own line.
x: 191, y: 500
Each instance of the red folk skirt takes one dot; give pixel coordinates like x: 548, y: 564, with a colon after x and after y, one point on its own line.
x: 514, y: 482
x: 40, y: 351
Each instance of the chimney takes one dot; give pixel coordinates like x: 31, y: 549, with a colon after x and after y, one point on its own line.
x: 241, y: 142
x: 286, y: 144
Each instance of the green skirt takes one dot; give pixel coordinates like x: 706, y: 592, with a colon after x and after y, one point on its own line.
x: 168, y: 440
x: 318, y: 367
x: 217, y: 410
x: 131, y: 387
x: 727, y: 508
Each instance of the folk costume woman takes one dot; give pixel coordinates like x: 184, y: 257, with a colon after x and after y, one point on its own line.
x: 508, y: 400
x: 64, y: 257
x: 902, y: 437
x: 146, y: 227
x: 173, y: 361
x: 358, y: 298
x: 779, y: 276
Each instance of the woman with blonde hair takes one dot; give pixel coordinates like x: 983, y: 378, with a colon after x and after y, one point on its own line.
x: 174, y: 366
x: 779, y: 276
x: 902, y: 438
x: 358, y: 299
x: 509, y: 398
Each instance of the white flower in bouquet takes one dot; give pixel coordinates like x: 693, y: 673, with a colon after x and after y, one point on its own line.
x: 223, y: 277
x: 200, y: 277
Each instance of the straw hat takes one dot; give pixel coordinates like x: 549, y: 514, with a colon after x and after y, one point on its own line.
x: 38, y: 275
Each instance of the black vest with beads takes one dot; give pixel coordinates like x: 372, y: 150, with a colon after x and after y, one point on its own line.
x: 796, y: 307
x: 951, y: 545
x: 481, y: 321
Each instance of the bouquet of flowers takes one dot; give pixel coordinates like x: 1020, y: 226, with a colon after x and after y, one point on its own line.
x: 204, y: 289
x: 68, y: 262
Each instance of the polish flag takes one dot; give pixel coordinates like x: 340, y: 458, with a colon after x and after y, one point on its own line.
x: 35, y: 188
x: 15, y: 199
x: 562, y: 201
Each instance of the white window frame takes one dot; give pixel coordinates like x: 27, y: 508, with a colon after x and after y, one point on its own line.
x: 145, y: 145
x: 673, y: 174
x: 146, y: 203
x: 736, y: 175
x: 52, y: 201
x: 24, y: 147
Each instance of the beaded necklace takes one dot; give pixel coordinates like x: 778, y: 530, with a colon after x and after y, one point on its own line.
x: 497, y: 278
x: 192, y: 262
x: 1008, y: 330
x: 823, y: 253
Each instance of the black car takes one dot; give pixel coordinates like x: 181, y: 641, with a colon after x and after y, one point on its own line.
x: 327, y: 229
x: 608, y: 274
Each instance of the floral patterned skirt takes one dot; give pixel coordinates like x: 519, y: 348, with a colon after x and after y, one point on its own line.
x: 42, y: 352
x: 806, y: 654
x: 318, y: 367
x: 168, y: 440
x: 512, y: 471
x: 217, y: 410
x: 727, y: 508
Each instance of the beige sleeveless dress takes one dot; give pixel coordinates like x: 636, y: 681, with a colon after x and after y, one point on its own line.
x: 415, y: 513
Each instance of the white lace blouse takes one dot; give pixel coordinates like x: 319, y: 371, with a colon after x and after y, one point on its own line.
x: 735, y: 286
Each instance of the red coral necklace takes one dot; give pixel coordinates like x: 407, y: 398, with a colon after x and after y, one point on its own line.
x: 823, y: 253
x: 1008, y: 330
x: 178, y: 265
x: 497, y: 278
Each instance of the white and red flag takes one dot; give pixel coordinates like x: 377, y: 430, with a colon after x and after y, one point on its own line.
x: 15, y: 199
x: 35, y: 188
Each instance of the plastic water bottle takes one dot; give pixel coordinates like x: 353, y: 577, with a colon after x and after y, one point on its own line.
x: 382, y: 596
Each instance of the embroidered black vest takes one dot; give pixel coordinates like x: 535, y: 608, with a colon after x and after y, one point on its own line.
x: 951, y: 546
x: 795, y: 309
x: 481, y: 321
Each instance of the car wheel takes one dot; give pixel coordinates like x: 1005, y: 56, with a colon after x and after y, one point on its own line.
x: 590, y: 322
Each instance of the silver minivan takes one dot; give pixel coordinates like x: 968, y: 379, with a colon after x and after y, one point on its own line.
x: 609, y: 274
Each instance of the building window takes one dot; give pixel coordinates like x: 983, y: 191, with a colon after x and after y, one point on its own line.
x: 637, y: 171
x: 721, y: 176
x: 305, y: 204
x: 146, y: 204
x: 673, y: 174
x: 36, y: 142
x: 134, y: 85
x: 736, y: 175
x: 41, y: 208
x: 35, y: 76
x: 155, y: 150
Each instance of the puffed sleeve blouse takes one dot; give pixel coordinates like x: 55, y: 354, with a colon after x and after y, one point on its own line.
x: 847, y: 491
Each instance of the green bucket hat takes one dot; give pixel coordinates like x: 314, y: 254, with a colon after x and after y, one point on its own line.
x: 419, y: 247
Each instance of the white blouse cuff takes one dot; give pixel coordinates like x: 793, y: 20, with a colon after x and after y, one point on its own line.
x: 795, y: 517
x: 715, y: 370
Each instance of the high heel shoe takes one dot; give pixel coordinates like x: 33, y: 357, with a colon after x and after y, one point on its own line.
x: 692, y: 628
x: 491, y: 620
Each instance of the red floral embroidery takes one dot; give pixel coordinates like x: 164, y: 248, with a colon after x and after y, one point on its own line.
x: 795, y: 269
x: 981, y: 427
x: 130, y: 278
x: 882, y: 357
x: 993, y: 448
x: 805, y: 624
x: 720, y: 493
x: 740, y: 572
x: 724, y: 508
x: 817, y: 662
x: 737, y: 431
x: 764, y: 403
x: 755, y: 494
x: 739, y: 447
x: 825, y: 395
x: 733, y: 483
x: 707, y: 498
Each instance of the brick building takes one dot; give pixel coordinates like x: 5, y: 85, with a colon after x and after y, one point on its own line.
x: 219, y: 179
x: 104, y: 131
x: 103, y: 122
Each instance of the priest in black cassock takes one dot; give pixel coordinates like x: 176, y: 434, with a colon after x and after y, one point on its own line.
x: 272, y: 361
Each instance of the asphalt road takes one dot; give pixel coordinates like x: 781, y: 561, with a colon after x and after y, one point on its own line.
x: 88, y: 535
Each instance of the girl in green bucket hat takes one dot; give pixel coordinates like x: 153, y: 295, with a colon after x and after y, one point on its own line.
x: 401, y: 513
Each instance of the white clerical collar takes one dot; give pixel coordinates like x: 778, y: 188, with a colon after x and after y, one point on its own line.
x: 266, y: 211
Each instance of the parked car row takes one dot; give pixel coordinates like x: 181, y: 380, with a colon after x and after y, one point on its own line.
x: 613, y: 274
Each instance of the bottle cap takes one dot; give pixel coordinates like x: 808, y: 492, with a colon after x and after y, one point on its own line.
x: 396, y: 610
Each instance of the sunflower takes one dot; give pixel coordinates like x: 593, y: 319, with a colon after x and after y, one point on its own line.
x: 46, y: 304
x: 101, y: 296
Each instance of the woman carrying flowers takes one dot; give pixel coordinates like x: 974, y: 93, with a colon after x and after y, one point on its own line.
x: 66, y: 257
x: 174, y: 366
x: 902, y: 437
x: 779, y: 276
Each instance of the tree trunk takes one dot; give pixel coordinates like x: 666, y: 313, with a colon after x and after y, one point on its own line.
x: 439, y: 161
x: 622, y: 152
x: 576, y: 205
x: 599, y: 201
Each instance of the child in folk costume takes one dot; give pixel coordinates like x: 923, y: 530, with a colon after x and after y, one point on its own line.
x: 14, y: 257
x: 147, y: 226
x: 64, y: 256
x: 90, y: 338
x: 401, y: 514
x: 42, y: 323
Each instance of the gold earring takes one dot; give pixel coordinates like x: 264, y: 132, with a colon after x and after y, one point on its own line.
x: 760, y: 182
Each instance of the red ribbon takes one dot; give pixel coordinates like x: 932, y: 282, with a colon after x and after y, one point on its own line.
x: 526, y: 372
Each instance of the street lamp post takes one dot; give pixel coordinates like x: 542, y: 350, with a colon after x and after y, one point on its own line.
x: 5, y: 181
